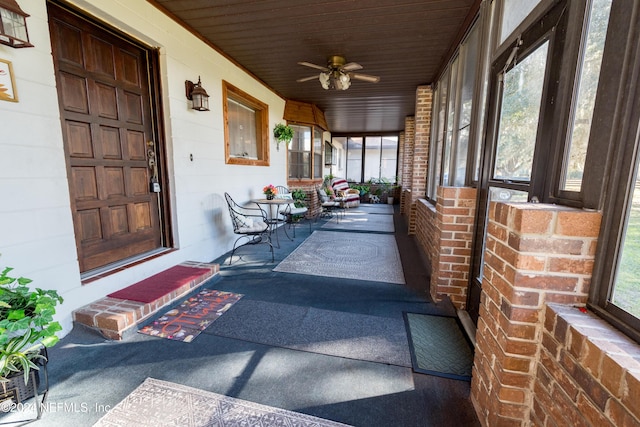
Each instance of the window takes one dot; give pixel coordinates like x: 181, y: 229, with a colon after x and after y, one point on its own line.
x: 372, y: 151
x: 246, y: 122
x: 437, y: 136
x: 519, y: 117
x: 317, y: 153
x: 626, y: 285
x: 370, y: 157
x: 614, y: 142
x: 587, y: 85
x: 305, y: 152
x: 329, y: 158
x: 389, y: 157
x: 452, y: 111
x: 354, y: 159
x: 300, y: 153
x: 470, y: 53
x: 513, y: 13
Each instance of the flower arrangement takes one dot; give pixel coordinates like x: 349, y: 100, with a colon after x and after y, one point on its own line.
x: 270, y: 191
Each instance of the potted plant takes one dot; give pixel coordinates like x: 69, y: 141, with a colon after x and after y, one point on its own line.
x: 363, y: 189
x: 388, y: 188
x: 270, y: 191
x: 282, y: 133
x: 299, y: 197
x: 26, y: 328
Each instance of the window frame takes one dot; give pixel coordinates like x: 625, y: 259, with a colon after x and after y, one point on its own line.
x: 452, y: 79
x: 230, y: 91
x: 316, y: 134
x: 364, y: 136
x: 616, y: 140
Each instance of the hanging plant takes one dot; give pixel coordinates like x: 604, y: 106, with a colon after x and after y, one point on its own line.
x: 282, y: 133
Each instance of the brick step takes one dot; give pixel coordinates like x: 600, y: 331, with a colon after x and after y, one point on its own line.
x: 113, y: 317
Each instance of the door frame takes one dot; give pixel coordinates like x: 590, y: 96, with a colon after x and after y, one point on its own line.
x: 152, y: 56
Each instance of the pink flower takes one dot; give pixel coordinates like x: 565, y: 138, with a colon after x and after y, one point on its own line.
x: 270, y: 189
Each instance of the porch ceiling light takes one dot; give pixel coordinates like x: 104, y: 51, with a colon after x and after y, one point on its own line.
x: 336, y: 79
x: 198, y: 96
x: 13, y: 25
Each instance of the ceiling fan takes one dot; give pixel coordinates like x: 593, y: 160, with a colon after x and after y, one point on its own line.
x: 338, y: 73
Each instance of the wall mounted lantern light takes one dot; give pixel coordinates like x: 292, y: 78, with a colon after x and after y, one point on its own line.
x: 13, y: 25
x: 198, y: 96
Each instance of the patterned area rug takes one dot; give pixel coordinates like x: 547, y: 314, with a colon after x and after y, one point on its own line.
x: 373, y: 257
x: 362, y: 221
x: 192, y: 316
x: 438, y: 346
x: 161, y: 403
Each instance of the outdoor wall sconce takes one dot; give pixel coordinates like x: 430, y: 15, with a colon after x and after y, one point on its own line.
x: 13, y: 25
x: 197, y: 95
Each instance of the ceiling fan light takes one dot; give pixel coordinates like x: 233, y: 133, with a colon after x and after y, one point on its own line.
x: 324, y: 80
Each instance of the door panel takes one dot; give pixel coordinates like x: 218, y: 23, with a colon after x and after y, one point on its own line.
x: 103, y: 87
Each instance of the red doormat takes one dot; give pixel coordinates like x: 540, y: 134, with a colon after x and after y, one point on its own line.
x: 161, y: 284
x: 186, y: 321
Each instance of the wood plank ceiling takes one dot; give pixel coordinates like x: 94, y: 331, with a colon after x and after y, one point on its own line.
x: 405, y: 42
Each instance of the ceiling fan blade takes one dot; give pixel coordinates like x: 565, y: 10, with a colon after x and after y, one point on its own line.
x: 351, y: 66
x: 306, y: 79
x: 317, y: 67
x: 365, y: 77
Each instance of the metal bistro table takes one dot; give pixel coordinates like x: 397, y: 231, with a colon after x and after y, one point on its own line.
x: 274, y: 215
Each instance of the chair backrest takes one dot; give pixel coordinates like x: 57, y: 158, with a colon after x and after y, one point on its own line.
x: 339, y: 184
x: 282, y: 189
x: 242, y: 218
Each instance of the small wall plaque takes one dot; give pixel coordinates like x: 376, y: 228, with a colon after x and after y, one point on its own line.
x: 7, y: 82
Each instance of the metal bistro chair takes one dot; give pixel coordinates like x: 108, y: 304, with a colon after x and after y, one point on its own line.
x: 291, y: 211
x: 329, y: 206
x: 249, y: 223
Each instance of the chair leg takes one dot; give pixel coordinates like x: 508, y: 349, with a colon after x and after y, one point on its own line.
x: 268, y: 241
x: 254, y: 239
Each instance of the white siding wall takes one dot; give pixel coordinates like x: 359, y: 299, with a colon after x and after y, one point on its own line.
x: 36, y: 230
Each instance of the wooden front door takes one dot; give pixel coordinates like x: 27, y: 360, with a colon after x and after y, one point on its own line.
x: 103, y: 83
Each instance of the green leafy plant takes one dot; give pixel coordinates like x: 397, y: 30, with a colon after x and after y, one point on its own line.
x: 26, y: 324
x: 362, y: 188
x: 299, y: 196
x: 283, y: 133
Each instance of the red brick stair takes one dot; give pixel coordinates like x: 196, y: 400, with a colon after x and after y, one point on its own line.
x: 113, y: 317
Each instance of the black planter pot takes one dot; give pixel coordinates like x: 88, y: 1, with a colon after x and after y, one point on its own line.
x: 16, y: 390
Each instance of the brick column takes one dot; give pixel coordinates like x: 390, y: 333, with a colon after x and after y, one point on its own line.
x: 535, y: 254
x: 424, y: 98
x: 407, y: 170
x: 445, y: 233
x: 401, y: 151
x: 456, y: 210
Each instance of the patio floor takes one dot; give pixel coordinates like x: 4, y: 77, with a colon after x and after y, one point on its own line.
x: 89, y: 374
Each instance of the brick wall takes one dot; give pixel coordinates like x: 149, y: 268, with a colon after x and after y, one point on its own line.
x: 405, y: 170
x: 588, y: 373
x: 312, y: 200
x: 424, y: 98
x: 427, y: 234
x: 401, y: 154
x: 535, y: 254
x: 415, y: 158
x: 445, y: 233
x: 456, y: 209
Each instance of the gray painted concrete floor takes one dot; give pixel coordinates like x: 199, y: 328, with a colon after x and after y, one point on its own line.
x: 89, y: 375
